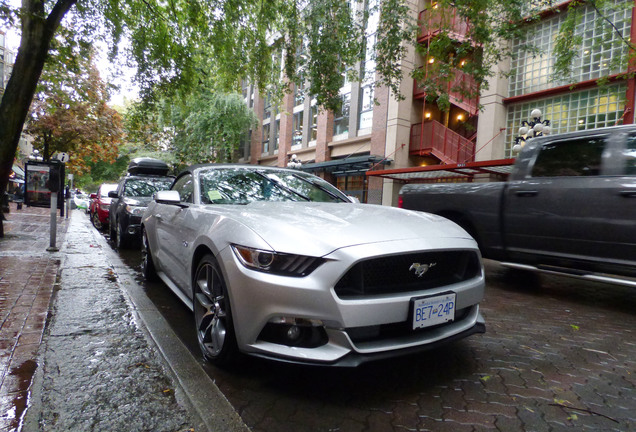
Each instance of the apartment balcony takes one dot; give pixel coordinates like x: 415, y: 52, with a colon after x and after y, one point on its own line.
x: 434, y: 20
x: 458, y: 90
x: 432, y: 138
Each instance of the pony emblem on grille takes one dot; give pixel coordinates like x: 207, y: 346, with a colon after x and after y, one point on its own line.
x: 421, y: 269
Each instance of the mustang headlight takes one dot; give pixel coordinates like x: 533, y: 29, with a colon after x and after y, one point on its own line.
x: 276, y: 263
x: 135, y: 210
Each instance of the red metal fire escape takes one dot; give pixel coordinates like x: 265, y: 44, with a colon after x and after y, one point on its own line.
x: 432, y: 138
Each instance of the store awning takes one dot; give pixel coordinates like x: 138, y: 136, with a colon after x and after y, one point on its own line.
x: 349, y: 166
x: 450, y: 172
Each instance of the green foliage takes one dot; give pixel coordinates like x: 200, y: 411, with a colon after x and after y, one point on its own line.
x: 213, y: 125
x: 395, y: 30
x: 334, y: 39
x: 70, y: 112
x: 567, y: 42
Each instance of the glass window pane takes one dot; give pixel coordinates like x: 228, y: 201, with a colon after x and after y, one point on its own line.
x: 581, y: 157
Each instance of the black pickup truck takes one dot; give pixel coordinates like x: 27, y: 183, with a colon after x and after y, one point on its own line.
x: 568, y: 207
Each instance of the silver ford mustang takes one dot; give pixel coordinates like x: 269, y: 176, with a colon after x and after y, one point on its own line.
x: 280, y: 264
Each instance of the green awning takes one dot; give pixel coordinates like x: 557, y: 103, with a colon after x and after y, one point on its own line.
x: 349, y: 166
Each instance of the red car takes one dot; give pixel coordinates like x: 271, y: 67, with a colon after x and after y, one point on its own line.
x: 100, y: 203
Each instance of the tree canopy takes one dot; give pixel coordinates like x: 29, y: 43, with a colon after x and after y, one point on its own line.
x: 182, y: 46
x: 70, y: 114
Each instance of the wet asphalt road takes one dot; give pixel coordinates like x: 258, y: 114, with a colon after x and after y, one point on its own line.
x: 559, y: 354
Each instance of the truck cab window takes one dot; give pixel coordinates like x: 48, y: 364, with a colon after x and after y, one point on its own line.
x: 630, y: 156
x: 579, y: 157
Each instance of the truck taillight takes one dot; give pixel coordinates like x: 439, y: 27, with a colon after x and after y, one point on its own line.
x: 400, y: 202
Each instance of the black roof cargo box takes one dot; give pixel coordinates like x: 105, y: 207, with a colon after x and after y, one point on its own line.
x: 148, y: 166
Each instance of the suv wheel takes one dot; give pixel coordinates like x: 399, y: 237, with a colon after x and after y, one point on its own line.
x: 147, y: 265
x: 123, y: 240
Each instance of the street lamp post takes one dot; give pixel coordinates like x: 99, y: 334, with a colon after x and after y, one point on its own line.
x: 294, y: 162
x: 533, y: 128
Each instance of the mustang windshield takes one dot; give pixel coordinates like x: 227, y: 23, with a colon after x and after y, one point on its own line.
x: 243, y: 186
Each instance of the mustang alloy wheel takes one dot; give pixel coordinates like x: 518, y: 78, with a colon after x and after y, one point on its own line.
x: 212, y: 315
x: 147, y: 265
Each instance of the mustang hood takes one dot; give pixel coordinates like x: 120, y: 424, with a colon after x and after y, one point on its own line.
x: 320, y: 228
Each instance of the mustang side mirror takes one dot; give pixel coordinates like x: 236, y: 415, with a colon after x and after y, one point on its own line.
x: 168, y: 197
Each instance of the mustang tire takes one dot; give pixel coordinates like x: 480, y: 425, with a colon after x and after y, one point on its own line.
x: 212, y: 314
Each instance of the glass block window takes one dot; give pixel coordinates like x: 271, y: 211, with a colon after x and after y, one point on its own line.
x: 585, y: 109
x: 532, y: 71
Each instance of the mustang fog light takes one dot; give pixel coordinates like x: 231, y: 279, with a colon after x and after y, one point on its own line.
x: 296, y: 332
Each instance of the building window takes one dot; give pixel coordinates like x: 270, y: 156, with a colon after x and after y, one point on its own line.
x: 341, y: 117
x: 277, y: 134
x: 244, y: 145
x: 297, y: 133
x: 365, y: 119
x: 598, y: 56
x: 267, y: 108
x: 265, y: 148
x: 586, y: 109
x: 314, y: 123
x: 299, y: 96
x: 353, y: 186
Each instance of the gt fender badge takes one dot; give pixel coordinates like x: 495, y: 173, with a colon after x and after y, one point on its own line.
x: 421, y: 269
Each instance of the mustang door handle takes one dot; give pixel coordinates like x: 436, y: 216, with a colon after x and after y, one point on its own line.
x: 529, y: 193
x: 628, y: 193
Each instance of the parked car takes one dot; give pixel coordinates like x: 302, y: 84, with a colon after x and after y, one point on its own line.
x: 100, y: 205
x: 278, y: 263
x: 569, y: 206
x: 145, y: 177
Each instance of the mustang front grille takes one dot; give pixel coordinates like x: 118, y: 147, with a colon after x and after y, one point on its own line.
x: 406, y: 273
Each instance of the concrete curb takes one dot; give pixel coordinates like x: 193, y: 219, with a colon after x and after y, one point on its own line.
x: 200, y: 393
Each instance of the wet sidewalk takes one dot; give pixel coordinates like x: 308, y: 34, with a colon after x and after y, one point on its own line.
x: 82, y: 348
x: 27, y: 280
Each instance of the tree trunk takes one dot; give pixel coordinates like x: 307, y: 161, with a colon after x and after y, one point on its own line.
x: 37, y: 32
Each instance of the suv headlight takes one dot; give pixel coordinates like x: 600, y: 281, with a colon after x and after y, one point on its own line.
x: 135, y: 210
x: 276, y: 263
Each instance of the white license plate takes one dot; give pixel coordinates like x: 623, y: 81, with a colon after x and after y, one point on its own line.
x: 430, y: 311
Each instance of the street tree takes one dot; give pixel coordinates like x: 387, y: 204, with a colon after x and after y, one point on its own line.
x: 70, y: 114
x: 178, y: 44
x: 213, y: 125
